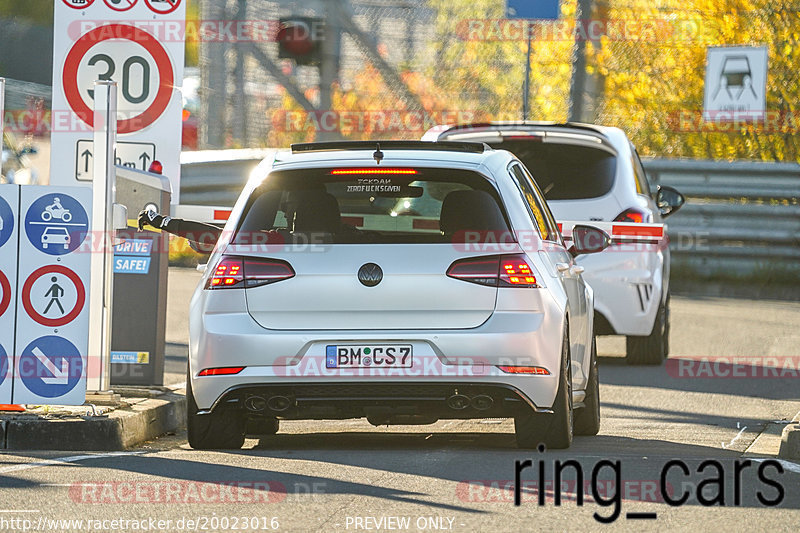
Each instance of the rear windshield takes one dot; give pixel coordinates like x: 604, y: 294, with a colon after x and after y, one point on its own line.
x: 566, y: 171
x: 357, y: 205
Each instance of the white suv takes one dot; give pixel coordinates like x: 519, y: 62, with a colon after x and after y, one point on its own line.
x: 322, y: 301
x: 593, y: 173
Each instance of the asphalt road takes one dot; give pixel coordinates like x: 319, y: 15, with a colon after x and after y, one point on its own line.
x: 459, y: 476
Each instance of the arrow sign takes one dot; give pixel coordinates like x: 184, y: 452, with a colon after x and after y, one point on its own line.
x: 129, y: 154
x: 86, y: 154
x: 60, y: 377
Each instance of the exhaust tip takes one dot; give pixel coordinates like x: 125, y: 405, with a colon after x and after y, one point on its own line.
x: 255, y: 403
x: 279, y: 403
x: 458, y: 402
x: 482, y: 402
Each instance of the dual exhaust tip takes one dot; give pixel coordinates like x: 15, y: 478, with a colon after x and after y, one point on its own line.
x: 275, y: 404
x: 481, y: 402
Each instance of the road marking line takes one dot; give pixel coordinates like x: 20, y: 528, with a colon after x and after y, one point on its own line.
x: 725, y: 447
x: 787, y: 465
x: 63, y: 460
x: 20, y: 511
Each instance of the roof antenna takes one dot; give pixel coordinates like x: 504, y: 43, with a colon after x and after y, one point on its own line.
x: 378, y: 155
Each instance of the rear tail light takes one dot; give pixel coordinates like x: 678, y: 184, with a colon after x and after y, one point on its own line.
x: 535, y: 370
x: 495, y: 271
x: 222, y: 371
x: 243, y: 272
x: 637, y: 216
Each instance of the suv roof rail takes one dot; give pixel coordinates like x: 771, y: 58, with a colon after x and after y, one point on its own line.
x: 445, y: 146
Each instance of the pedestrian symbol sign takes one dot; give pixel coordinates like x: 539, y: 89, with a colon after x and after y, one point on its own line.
x: 53, y: 295
x: 56, y: 224
x: 50, y: 367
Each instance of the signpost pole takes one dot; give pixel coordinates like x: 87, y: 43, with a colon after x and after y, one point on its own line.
x: 103, y: 188
x: 2, y: 118
x: 527, y: 84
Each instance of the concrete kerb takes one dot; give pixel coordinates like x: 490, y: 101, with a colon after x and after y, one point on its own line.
x: 137, y: 421
x: 790, y: 441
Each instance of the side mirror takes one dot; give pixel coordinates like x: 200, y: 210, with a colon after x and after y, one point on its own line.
x: 588, y: 240
x: 668, y: 200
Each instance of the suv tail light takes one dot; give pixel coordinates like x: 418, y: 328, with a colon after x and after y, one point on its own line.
x: 495, y: 271
x: 637, y: 216
x: 234, y: 272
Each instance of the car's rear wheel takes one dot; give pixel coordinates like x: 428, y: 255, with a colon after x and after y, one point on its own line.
x: 553, y: 430
x: 587, y: 419
x: 654, y: 348
x: 219, y: 430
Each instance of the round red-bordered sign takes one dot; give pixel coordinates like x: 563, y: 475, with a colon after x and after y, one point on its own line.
x: 116, y: 32
x: 86, y: 4
x: 53, y: 269
x: 124, y: 5
x: 172, y: 5
x: 5, y: 286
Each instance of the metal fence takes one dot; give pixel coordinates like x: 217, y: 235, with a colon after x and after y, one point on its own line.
x: 740, y: 218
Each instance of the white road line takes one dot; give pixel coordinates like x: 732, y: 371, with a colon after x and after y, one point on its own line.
x: 62, y: 460
x: 725, y: 447
x: 787, y: 465
x: 20, y: 511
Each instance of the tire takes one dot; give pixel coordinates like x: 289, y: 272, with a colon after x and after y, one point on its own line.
x: 220, y: 430
x: 66, y: 217
x: 587, y: 419
x: 652, y: 349
x: 47, y: 216
x: 553, y: 430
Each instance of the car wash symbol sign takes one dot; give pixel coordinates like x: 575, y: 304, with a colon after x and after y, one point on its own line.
x: 51, y: 366
x: 128, y: 55
x: 735, y: 84
x: 56, y: 224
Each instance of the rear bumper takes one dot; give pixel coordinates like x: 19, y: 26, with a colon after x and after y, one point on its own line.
x: 220, y: 337
x: 377, y: 401
x: 627, y: 288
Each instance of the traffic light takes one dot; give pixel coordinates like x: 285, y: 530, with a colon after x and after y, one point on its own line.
x: 300, y: 38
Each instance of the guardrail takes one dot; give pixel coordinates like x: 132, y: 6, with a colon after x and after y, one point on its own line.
x: 740, y: 217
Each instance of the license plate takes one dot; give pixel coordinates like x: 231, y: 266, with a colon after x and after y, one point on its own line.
x: 368, y: 356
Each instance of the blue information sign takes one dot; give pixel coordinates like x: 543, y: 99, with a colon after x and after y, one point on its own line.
x: 56, y: 224
x: 50, y: 366
x: 532, y: 9
x: 3, y: 364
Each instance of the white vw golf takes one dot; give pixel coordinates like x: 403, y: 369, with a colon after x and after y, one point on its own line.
x: 325, y: 299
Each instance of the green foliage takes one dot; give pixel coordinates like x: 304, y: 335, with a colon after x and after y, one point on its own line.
x: 36, y: 11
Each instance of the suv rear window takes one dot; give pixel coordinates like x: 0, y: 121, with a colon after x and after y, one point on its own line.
x: 566, y: 171
x: 356, y: 205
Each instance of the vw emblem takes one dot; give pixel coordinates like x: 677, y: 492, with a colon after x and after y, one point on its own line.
x: 370, y: 274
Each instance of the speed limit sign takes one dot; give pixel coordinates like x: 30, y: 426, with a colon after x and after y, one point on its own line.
x: 146, y: 80
x: 121, y: 41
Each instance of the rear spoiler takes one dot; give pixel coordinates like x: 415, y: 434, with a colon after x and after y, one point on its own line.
x: 620, y: 232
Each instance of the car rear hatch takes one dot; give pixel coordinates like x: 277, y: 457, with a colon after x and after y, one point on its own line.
x: 575, y: 168
x: 367, y: 251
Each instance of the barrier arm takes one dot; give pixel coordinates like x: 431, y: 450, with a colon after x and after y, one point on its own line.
x: 620, y: 232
